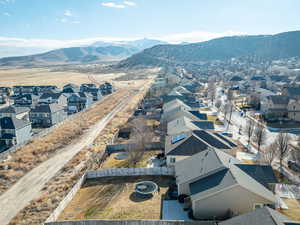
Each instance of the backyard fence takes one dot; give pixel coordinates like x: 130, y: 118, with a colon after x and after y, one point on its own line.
x: 131, y: 222
x: 62, y: 205
x: 151, y: 146
x: 126, y: 172
x: 288, y: 191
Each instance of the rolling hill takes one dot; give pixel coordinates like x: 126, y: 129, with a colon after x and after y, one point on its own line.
x: 277, y: 46
x: 71, y: 55
x: 97, y: 52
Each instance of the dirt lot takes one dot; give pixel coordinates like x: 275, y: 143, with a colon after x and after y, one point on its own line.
x: 115, y: 200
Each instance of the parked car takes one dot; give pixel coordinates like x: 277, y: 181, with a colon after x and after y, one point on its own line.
x: 294, y: 166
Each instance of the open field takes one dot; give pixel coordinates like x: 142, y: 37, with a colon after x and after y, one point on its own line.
x: 11, y: 77
x: 38, y: 76
x: 116, y: 200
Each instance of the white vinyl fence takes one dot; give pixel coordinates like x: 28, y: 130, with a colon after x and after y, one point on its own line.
x: 121, y: 172
x: 287, y: 191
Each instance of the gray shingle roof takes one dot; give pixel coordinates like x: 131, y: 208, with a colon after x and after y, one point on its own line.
x: 49, y: 108
x: 263, y: 216
x: 13, y: 109
x: 202, y: 164
x: 216, y: 181
x: 50, y: 95
x: 189, y: 146
x: 208, y: 163
x: 293, y: 91
x: 264, y: 174
x: 174, y: 104
x: 279, y: 99
x: 13, y: 123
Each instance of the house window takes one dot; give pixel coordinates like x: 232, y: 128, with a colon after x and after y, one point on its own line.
x: 258, y: 206
x: 172, y: 160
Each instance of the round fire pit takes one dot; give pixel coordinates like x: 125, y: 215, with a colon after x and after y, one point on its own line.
x: 145, y: 188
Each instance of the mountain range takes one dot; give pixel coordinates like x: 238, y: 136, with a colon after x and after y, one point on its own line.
x: 147, y: 52
x: 94, y: 53
x: 283, y: 45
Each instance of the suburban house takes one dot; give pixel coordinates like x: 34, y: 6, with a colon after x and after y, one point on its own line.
x: 189, y: 100
x: 43, y: 116
x: 6, y: 91
x: 79, y: 101
x: 174, y: 104
x: 293, y: 92
x: 2, y: 99
x: 186, y: 144
x: 106, y: 88
x: 181, y: 111
x: 26, y: 100
x: 275, y: 106
x: 54, y: 98
x: 95, y: 93
x: 293, y: 109
x: 185, y: 124
x: 211, y: 180
x: 85, y: 87
x: 37, y: 90
x: 13, y: 111
x: 23, y: 90
x: 14, y: 131
x: 261, y: 216
x: 71, y: 88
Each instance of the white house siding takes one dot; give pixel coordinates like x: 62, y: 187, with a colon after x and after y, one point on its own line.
x: 23, y: 134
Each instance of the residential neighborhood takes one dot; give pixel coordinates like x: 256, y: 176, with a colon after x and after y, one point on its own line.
x: 214, y: 172
x: 25, y: 110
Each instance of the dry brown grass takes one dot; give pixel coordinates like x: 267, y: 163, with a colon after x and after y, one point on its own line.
x: 58, y: 187
x: 40, y: 149
x: 114, y: 201
x: 11, y: 77
x: 294, y: 209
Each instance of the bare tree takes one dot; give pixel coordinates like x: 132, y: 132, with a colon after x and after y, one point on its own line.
x: 296, y: 152
x: 140, y: 135
x: 269, y: 154
x: 226, y: 110
x: 231, y: 105
x: 218, y: 104
x: 260, y: 135
x: 211, y: 90
x: 249, y: 129
x: 282, y: 145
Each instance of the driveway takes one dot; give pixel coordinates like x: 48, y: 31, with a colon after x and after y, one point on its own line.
x: 30, y: 185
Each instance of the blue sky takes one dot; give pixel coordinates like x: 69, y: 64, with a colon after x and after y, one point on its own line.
x: 55, y: 23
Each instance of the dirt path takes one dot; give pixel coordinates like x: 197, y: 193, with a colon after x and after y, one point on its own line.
x: 29, y: 186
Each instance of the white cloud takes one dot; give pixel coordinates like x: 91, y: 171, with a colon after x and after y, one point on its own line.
x: 6, y: 14
x: 63, y: 20
x: 68, y: 13
x: 113, y: 5
x: 196, y: 36
x: 6, y: 1
x: 129, y: 3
